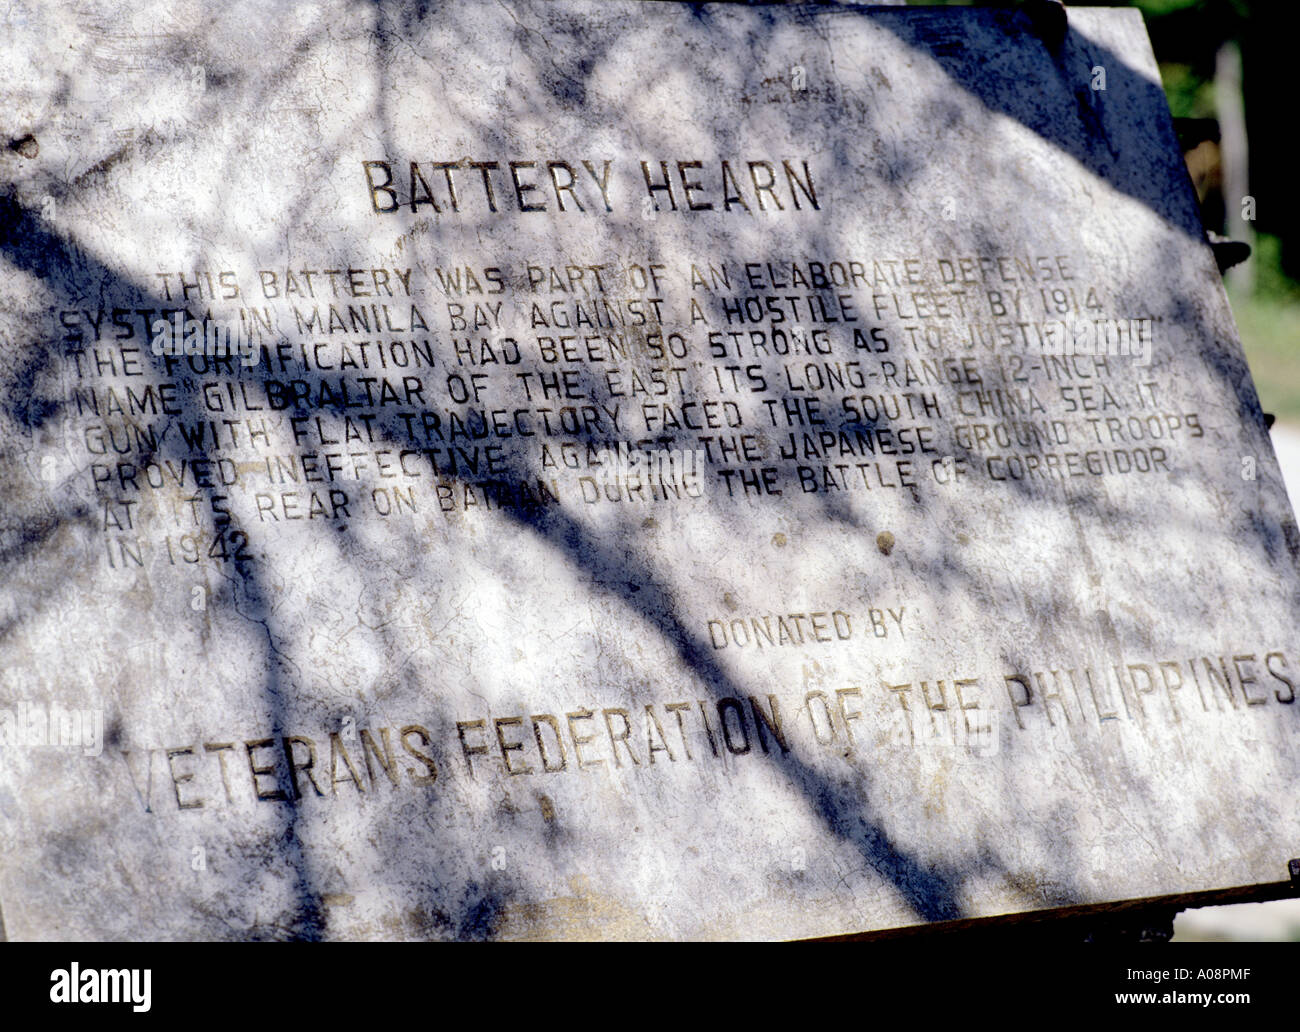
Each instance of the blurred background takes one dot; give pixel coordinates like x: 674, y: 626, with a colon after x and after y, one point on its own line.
x: 1226, y: 67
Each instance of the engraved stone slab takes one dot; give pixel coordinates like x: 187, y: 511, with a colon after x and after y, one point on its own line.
x: 617, y: 470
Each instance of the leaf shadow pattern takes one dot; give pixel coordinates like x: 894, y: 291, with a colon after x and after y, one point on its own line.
x: 609, y: 559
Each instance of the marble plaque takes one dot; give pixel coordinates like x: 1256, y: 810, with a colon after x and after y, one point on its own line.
x: 619, y: 470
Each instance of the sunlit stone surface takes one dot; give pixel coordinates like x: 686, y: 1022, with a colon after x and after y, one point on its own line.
x: 650, y: 493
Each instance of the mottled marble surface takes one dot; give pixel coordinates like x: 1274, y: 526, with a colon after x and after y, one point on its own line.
x: 373, y: 636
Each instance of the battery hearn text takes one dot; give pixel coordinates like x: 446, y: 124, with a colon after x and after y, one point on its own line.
x: 581, y: 186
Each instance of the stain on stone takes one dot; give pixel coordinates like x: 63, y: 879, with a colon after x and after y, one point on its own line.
x: 26, y: 146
